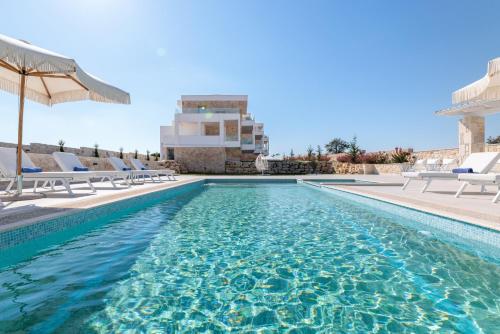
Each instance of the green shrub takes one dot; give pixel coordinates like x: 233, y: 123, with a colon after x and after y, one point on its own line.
x: 400, y: 156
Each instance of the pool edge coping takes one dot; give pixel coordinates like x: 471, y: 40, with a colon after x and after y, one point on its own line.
x: 482, y: 223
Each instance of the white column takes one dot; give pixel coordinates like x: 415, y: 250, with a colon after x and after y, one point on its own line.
x: 221, y: 132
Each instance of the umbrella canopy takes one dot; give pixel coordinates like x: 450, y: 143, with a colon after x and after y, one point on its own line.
x: 47, y: 77
x: 480, y: 98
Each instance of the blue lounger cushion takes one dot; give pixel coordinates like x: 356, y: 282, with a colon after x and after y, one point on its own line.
x: 126, y: 168
x: 31, y: 169
x: 462, y: 170
x: 80, y: 169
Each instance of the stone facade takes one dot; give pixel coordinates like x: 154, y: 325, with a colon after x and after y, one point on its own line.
x: 205, y: 160
x: 470, y: 135
x: 242, y: 105
x: 284, y: 167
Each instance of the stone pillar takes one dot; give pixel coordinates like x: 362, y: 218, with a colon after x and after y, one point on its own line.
x: 470, y: 136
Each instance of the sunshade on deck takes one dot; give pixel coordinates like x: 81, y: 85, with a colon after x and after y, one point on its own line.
x: 47, y: 77
x: 480, y: 98
x: 51, y: 77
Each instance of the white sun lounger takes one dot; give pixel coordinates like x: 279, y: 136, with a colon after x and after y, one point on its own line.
x: 481, y: 163
x: 69, y: 162
x: 140, y: 166
x: 119, y: 165
x: 479, y: 179
x: 8, y: 159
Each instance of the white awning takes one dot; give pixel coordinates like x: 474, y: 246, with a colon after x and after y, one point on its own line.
x: 472, y: 108
x: 486, y: 88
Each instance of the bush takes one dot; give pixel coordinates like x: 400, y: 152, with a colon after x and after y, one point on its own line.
x: 493, y: 140
x: 344, y: 158
x: 400, y: 156
x: 374, y: 158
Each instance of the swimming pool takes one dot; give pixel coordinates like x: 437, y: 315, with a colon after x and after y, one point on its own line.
x: 252, y: 256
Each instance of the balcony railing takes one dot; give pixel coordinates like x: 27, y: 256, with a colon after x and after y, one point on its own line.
x: 202, y: 110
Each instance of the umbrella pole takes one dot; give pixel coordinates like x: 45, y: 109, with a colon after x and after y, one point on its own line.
x: 20, y: 136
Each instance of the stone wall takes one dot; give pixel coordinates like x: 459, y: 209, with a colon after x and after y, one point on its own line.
x: 283, y: 167
x: 82, y: 151
x: 48, y: 164
x: 205, y: 160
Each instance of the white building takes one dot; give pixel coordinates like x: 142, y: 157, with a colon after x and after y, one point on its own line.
x: 215, y: 124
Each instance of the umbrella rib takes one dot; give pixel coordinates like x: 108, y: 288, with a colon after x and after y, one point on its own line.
x: 46, y: 89
x: 78, y: 82
x: 8, y: 66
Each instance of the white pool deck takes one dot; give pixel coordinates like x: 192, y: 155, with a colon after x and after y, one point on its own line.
x: 473, y: 207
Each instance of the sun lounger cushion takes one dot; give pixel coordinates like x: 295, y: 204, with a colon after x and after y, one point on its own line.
x: 31, y: 170
x: 126, y: 168
x: 482, y: 178
x: 80, y: 169
x: 462, y: 170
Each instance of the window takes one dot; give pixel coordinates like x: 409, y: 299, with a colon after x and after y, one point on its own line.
x: 170, y: 153
x: 211, y: 128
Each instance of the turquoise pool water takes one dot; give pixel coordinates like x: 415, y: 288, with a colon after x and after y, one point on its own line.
x: 249, y: 257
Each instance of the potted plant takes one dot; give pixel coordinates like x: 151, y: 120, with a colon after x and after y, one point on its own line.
x: 401, y: 157
x: 61, y: 144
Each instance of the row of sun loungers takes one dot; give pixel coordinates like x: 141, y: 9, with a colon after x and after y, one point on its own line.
x: 475, y: 170
x: 72, y: 170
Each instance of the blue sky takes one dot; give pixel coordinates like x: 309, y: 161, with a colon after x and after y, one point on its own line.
x: 313, y: 70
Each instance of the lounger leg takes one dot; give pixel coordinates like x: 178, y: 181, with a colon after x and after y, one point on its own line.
x: 67, y: 186
x: 91, y: 185
x: 483, y: 188
x: 52, y: 185
x: 35, y: 186
x: 427, y: 184
x: 112, y: 180
x: 9, y: 187
x: 406, y: 184
x: 497, y: 197
x: 461, y: 190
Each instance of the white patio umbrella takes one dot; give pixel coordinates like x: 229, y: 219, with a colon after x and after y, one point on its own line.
x: 48, y: 78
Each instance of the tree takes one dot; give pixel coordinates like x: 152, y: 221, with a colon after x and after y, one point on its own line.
x: 309, y: 152
x: 336, y: 145
x: 353, y: 150
x: 147, y: 155
x: 291, y: 154
x: 493, y: 140
x: 96, y: 151
x: 136, y: 153
x: 121, y: 152
x: 319, y: 152
x: 61, y: 144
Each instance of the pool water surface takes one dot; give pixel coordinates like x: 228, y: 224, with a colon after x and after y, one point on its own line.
x: 249, y: 257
